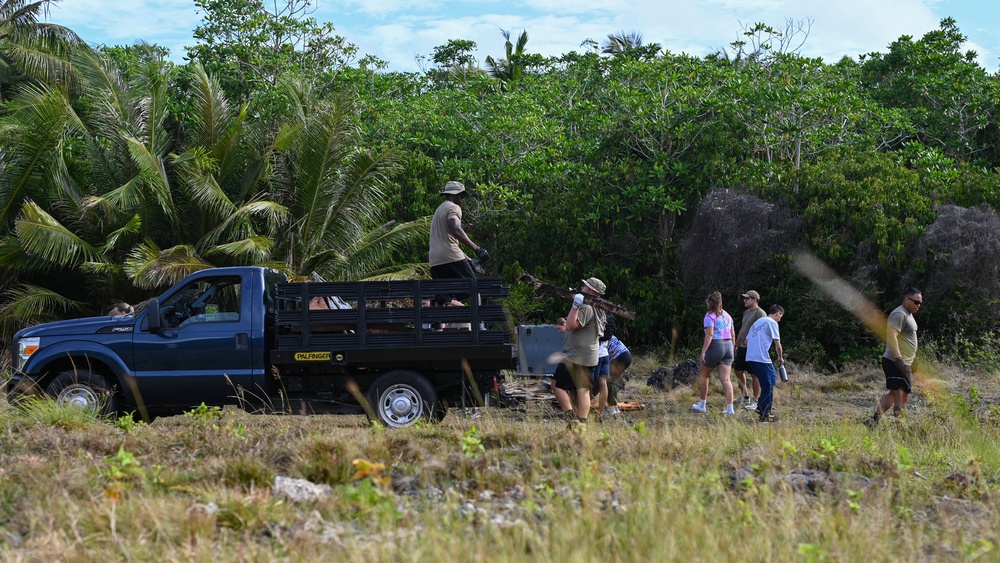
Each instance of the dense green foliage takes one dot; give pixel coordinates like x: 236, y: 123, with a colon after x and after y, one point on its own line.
x: 273, y: 147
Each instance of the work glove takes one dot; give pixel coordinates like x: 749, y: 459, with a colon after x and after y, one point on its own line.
x: 577, y: 300
x: 477, y: 267
x: 482, y: 254
x: 900, y: 365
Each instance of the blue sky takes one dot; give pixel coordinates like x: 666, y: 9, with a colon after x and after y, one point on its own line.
x: 400, y: 30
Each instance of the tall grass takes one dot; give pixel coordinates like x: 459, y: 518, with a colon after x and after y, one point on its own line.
x: 655, y: 485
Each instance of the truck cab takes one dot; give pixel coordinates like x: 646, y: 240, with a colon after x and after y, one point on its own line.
x: 206, y: 342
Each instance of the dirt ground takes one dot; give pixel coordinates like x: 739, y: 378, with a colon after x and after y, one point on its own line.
x: 808, y: 395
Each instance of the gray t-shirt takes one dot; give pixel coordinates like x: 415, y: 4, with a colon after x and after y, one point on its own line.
x: 902, y: 321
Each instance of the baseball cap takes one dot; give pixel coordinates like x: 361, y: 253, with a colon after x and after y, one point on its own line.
x: 595, y: 284
x: 752, y: 294
x: 453, y: 188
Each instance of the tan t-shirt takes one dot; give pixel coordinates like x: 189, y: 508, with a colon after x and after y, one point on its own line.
x: 580, y: 346
x: 443, y: 245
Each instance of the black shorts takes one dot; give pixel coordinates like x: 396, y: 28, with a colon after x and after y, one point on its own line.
x: 740, y: 361
x: 894, y: 379
x: 460, y: 269
x: 570, y: 377
x: 452, y: 270
x: 624, y: 360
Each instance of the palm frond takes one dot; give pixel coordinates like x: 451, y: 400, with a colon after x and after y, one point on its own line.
x: 148, y: 266
x: 131, y: 227
x: 277, y: 266
x: 154, y: 174
x: 42, y: 235
x: 114, y: 113
x: 38, y: 50
x: 106, y: 270
x: 15, y: 262
x: 197, y: 173
x: 27, y: 304
x: 127, y: 197
x: 243, y: 221
x: 36, y: 126
x: 250, y: 250
x: 412, y: 271
x: 214, y: 116
x: 372, y: 252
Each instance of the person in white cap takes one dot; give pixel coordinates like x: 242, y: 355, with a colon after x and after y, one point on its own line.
x: 584, y: 326
x: 446, y: 258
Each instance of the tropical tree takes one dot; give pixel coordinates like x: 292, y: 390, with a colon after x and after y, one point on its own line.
x: 336, y: 192
x: 30, y: 48
x: 253, y: 46
x: 629, y: 44
x: 950, y: 100
x: 514, y: 62
x: 112, y: 198
x: 454, y: 63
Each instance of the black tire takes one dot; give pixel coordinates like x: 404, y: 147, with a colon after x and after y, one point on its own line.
x: 401, y: 397
x: 85, y: 390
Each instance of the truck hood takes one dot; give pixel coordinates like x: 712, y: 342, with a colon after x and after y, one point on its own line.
x: 71, y: 327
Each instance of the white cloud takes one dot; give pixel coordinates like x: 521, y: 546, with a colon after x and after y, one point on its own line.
x: 850, y: 27
x: 169, y: 23
x: 397, y: 30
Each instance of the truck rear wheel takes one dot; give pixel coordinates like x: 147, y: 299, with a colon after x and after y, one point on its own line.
x: 85, y: 390
x: 400, y: 398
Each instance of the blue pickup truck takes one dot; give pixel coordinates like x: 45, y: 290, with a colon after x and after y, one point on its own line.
x: 246, y: 336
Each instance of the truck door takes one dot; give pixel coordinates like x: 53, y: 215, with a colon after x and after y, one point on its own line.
x: 202, y: 352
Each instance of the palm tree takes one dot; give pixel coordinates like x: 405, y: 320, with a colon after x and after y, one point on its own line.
x: 509, y: 68
x: 112, y: 198
x: 112, y: 194
x: 629, y: 43
x: 29, y: 47
x: 335, y: 191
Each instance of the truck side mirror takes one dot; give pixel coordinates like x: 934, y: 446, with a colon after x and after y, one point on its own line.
x: 153, y: 315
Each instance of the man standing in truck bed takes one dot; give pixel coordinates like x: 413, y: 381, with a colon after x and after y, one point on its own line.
x: 446, y: 258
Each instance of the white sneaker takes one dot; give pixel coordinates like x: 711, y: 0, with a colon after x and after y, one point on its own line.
x: 727, y: 413
x: 612, y: 410
x: 698, y: 408
x: 752, y: 405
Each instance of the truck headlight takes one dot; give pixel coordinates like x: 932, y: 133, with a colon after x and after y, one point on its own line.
x: 25, y: 348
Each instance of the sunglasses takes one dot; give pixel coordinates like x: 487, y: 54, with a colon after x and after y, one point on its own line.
x: 915, y: 302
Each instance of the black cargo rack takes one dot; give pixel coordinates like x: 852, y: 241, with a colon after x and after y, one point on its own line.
x: 392, y: 315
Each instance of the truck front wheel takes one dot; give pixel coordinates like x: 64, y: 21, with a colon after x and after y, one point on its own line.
x: 84, y: 390
x: 400, y: 398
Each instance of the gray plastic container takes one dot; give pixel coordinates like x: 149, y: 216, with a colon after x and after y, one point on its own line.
x: 535, y: 343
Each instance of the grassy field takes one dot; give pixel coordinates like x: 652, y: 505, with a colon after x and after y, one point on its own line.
x: 498, y: 485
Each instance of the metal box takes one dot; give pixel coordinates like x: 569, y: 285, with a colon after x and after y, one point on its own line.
x: 535, y: 343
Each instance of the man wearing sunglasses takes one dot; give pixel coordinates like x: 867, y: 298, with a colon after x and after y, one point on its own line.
x: 900, y: 350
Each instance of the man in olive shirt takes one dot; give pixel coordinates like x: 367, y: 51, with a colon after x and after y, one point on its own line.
x: 900, y: 351
x: 751, y: 300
